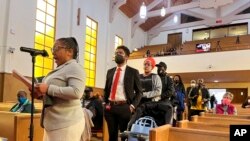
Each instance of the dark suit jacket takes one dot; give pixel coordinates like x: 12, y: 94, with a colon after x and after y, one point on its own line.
x: 132, y: 85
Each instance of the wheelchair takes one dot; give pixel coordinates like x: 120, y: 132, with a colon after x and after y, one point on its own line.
x: 148, y: 115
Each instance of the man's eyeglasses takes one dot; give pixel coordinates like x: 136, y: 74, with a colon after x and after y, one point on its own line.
x: 147, y: 64
x: 56, y: 48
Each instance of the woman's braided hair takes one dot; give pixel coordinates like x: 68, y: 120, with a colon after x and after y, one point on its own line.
x: 71, y: 43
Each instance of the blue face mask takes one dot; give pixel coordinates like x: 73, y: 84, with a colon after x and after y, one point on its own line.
x: 22, y: 100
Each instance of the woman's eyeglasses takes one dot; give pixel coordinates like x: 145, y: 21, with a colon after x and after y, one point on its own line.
x: 56, y: 48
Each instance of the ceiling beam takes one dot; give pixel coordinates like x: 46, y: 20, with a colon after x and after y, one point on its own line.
x: 153, y: 34
x: 218, y: 12
x: 195, y: 14
x: 239, y: 9
x: 113, y: 7
x: 206, y: 22
x: 214, y: 3
x: 176, y: 26
x: 170, y: 17
x: 174, y: 9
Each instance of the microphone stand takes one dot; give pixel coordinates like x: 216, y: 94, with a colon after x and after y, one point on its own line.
x: 33, y: 53
x: 32, y: 96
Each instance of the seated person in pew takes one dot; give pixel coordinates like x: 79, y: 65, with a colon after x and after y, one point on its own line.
x: 95, y: 108
x: 23, y: 105
x: 246, y: 103
x: 226, y: 107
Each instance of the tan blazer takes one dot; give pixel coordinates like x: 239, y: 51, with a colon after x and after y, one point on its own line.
x: 66, y: 87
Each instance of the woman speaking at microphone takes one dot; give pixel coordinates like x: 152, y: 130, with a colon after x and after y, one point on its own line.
x: 62, y: 115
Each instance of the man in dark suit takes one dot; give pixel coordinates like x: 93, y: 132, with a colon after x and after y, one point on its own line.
x: 122, y: 99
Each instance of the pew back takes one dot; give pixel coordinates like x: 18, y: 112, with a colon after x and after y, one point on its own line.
x: 7, y: 126
x: 6, y: 106
x: 203, y: 126
x: 22, y: 123
x: 15, y: 126
x: 225, y: 116
x: 219, y: 120
x: 168, y: 133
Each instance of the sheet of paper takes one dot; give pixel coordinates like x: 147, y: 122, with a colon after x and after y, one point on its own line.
x: 20, y: 77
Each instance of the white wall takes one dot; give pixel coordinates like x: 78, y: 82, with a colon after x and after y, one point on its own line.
x: 17, y: 28
x: 97, y: 10
x: 220, y: 61
x: 4, y: 6
x: 187, y: 33
x: 139, y: 39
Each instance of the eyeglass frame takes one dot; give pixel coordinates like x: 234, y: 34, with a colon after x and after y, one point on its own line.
x: 57, y: 48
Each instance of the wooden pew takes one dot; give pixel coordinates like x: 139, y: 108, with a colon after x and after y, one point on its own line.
x: 219, y: 120
x: 204, y: 114
x: 203, y: 126
x: 242, y: 111
x: 15, y: 126
x: 168, y: 133
x: 6, y: 106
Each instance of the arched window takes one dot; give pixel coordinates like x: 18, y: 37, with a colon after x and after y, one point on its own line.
x: 90, y: 51
x: 45, y: 35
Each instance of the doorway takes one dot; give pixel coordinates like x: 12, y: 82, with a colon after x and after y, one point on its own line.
x: 175, y: 40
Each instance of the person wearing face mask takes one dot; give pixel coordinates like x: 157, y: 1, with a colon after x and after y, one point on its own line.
x: 94, y: 105
x: 188, y: 98
x: 167, y: 82
x: 226, y: 108
x: 151, y: 82
x: 23, y: 105
x: 122, y: 94
x: 180, y: 96
x: 199, y: 97
x: 167, y: 91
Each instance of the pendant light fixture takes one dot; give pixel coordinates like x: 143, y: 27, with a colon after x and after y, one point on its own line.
x: 143, y: 11
x: 163, y: 12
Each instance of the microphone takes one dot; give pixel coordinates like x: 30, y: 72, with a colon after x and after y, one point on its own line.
x: 35, y: 52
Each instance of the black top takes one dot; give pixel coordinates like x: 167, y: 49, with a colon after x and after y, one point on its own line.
x: 96, y: 107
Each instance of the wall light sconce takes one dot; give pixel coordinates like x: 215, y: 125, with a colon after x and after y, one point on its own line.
x: 210, y: 67
x: 11, y: 49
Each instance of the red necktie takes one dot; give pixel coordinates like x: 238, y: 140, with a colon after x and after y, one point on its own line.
x: 114, y: 86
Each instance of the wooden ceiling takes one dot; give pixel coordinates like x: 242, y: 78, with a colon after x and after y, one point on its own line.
x: 132, y: 7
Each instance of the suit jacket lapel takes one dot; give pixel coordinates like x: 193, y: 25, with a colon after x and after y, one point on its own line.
x: 112, y: 73
x: 126, y: 75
